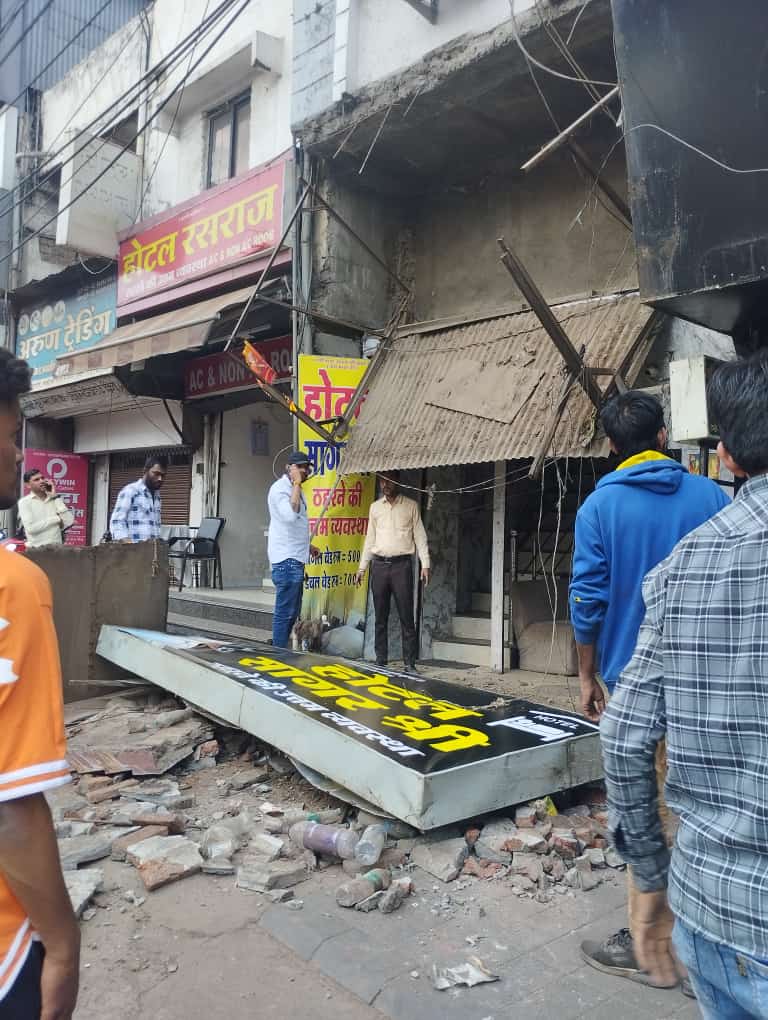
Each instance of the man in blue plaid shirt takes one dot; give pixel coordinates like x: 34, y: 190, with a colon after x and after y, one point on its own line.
x: 699, y: 675
x: 136, y: 517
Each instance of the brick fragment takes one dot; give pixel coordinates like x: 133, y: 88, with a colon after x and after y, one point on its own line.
x: 121, y: 846
x: 525, y: 816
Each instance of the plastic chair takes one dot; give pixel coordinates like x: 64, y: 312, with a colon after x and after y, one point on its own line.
x: 204, y: 547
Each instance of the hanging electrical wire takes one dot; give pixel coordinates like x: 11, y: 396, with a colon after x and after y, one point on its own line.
x: 40, y: 14
x: 169, y: 132
x: 117, y: 110
x: 129, y: 144
x: 62, y: 51
x: 544, y: 67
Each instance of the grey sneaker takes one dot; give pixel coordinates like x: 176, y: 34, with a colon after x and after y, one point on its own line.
x: 615, y: 956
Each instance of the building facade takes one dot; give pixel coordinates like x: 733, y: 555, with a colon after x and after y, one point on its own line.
x: 416, y: 119
x: 160, y: 189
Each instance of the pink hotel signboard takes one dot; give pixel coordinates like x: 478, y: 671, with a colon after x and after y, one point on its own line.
x: 217, y: 230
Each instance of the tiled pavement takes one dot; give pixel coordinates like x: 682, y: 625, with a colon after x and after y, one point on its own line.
x: 386, y: 960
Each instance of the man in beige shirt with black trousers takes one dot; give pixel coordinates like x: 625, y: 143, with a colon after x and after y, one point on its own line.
x: 395, y: 533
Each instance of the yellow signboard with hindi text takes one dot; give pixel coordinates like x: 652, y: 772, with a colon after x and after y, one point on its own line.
x: 337, y: 506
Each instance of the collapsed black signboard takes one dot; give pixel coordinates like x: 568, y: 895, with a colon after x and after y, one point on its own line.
x: 423, y: 724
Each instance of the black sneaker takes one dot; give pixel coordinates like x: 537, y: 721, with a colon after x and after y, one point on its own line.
x: 381, y: 665
x: 616, y: 956
x: 410, y: 667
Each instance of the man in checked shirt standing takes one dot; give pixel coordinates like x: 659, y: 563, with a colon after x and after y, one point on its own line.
x: 699, y: 675
x: 136, y: 517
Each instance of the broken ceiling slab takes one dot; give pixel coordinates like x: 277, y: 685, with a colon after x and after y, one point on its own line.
x: 426, y: 751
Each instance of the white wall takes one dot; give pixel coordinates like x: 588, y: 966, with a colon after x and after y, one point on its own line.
x: 143, y: 426
x: 101, y: 508
x: 391, y: 35
x: 178, y: 160
x: 175, y: 147
x: 94, y: 84
x: 244, y: 482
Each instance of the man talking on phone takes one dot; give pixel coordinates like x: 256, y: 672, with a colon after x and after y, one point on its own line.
x: 44, y: 514
x: 288, y: 545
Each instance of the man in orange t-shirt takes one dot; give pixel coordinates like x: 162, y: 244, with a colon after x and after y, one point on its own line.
x: 39, y: 934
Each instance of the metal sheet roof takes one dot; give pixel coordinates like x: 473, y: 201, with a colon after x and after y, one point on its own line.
x: 178, y: 330
x: 416, y: 412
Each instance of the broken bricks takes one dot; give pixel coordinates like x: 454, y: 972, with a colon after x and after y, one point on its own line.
x: 122, y: 845
x: 441, y: 857
x: 270, y: 875
x: 163, y: 859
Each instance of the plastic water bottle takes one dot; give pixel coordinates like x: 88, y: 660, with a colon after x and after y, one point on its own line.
x: 333, y: 840
x: 358, y: 889
x: 370, y: 845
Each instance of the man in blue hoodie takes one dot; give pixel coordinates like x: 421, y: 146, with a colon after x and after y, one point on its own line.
x: 627, y: 526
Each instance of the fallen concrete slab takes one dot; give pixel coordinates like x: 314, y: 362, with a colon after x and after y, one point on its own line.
x: 426, y: 751
x: 81, y: 886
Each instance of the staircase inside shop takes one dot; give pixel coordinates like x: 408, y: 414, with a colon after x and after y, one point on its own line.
x: 242, y: 613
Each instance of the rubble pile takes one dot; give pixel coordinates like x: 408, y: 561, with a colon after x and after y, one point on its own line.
x: 541, y: 850
x: 168, y: 794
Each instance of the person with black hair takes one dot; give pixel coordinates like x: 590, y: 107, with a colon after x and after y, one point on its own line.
x: 44, y: 514
x: 39, y: 934
x: 136, y: 517
x: 630, y: 523
x: 699, y: 678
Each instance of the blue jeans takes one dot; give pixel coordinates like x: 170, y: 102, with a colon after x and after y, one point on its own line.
x: 728, y: 985
x: 288, y: 579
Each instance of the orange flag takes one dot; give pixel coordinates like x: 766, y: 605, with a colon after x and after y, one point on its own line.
x: 258, y: 364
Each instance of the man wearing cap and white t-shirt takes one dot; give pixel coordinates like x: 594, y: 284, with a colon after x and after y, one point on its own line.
x: 288, y: 545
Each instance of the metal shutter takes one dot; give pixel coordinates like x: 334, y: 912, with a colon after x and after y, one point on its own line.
x: 125, y: 468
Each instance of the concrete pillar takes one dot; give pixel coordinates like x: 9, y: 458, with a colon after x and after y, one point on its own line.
x: 497, y: 566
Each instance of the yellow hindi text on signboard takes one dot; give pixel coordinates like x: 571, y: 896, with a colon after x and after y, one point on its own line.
x: 337, y: 507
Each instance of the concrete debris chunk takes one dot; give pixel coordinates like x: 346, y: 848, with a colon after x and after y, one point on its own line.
x: 77, y: 850
x: 271, y: 846
x: 120, y: 846
x: 522, y: 862
x: 491, y: 844
x: 526, y: 816
x: 527, y: 840
x: 595, y: 857
x: 271, y: 875
x: 163, y: 859
x: 440, y: 857
x: 81, y: 886
x: 482, y: 869
x: 396, y: 895
x: 218, y: 866
x: 280, y: 895
x: 612, y: 859
x: 566, y: 846
x: 250, y: 777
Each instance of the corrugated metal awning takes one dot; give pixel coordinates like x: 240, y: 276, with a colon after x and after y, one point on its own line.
x: 167, y: 333
x: 487, y: 390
